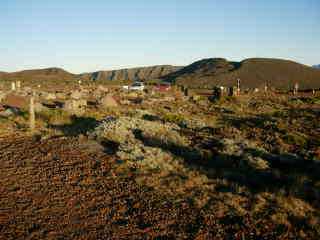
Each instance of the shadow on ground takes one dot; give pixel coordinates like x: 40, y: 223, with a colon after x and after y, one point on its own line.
x: 78, y: 125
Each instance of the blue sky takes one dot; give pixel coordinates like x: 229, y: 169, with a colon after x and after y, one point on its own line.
x: 89, y: 35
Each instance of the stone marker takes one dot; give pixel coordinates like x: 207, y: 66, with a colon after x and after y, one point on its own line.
x: 296, y: 89
x: 238, y: 87
x: 13, y: 86
x: 18, y: 85
x: 32, y: 118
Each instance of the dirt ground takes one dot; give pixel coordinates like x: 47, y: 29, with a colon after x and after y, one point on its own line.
x: 236, y: 169
x: 69, y: 188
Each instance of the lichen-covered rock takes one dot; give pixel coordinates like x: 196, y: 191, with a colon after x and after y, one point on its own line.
x: 147, y: 144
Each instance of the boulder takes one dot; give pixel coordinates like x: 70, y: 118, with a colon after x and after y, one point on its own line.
x: 109, y: 101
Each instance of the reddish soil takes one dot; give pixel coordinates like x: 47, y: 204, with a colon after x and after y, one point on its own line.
x: 68, y: 188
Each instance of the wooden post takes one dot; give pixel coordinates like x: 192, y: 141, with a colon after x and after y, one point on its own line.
x: 32, y: 118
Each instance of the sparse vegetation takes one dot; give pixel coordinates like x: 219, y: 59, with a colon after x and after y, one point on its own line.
x: 243, y: 166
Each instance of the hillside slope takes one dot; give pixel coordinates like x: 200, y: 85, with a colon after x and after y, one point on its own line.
x: 254, y: 73
x: 49, y: 75
x: 132, y: 74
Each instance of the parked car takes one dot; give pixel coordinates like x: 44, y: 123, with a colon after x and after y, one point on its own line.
x: 137, y: 86
x: 162, y: 87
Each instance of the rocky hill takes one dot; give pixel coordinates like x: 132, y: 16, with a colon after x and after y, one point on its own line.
x: 60, y: 76
x: 253, y: 73
x: 132, y: 74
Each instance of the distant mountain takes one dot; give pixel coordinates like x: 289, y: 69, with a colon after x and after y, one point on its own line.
x: 316, y: 66
x: 132, y: 74
x: 58, y: 75
x: 39, y: 75
x: 253, y: 73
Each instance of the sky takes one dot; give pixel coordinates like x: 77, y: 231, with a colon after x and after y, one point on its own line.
x: 90, y: 35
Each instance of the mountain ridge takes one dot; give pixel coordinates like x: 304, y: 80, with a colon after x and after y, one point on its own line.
x: 209, y: 72
x: 132, y: 74
x: 252, y: 72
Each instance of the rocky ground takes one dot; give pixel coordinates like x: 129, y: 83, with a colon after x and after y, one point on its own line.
x: 238, y: 168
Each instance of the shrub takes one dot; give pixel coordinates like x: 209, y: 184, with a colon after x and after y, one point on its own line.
x: 173, y: 118
x: 295, y: 139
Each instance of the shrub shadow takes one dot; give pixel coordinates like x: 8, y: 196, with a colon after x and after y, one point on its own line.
x: 78, y: 125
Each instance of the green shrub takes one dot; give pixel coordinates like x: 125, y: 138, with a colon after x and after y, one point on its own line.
x: 295, y: 139
x: 173, y: 118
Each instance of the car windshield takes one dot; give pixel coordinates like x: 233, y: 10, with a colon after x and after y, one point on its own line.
x: 137, y: 84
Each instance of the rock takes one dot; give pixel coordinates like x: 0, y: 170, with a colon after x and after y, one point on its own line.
x: 256, y: 163
x: 2, y: 95
x: 61, y: 95
x: 196, y: 98
x: 10, y: 111
x: 38, y: 107
x: 109, y: 101
x: 169, y: 99
x: 77, y: 95
x: 103, y: 89
x: 50, y: 96
x: 75, y: 106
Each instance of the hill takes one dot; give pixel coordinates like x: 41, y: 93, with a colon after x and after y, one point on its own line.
x: 254, y: 73
x: 50, y: 75
x: 132, y: 74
